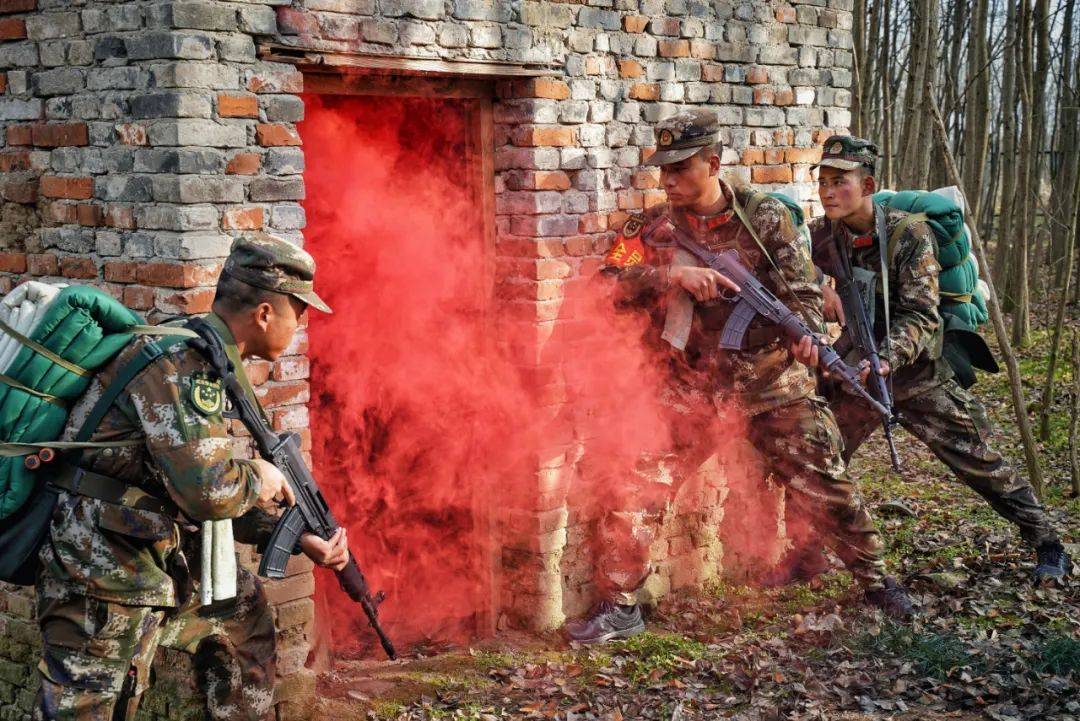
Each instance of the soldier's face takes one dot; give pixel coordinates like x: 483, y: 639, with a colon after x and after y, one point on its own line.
x: 843, y: 192
x: 690, y: 181
x: 277, y: 323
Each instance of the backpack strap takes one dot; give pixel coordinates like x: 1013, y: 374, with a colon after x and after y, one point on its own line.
x: 11, y: 382
x: 754, y: 201
x: 898, y: 231
x: 43, y: 351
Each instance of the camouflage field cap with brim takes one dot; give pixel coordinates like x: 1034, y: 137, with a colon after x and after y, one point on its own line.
x: 848, y: 153
x: 682, y: 135
x: 272, y: 263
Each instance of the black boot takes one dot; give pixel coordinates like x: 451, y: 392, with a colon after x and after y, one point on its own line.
x: 892, y: 598
x: 800, y: 567
x: 606, y: 622
x: 1053, y: 562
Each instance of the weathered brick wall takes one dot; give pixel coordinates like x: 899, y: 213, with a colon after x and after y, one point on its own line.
x: 137, y: 137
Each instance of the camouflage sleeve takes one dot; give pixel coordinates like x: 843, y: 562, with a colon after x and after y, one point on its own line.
x: 254, y: 528
x: 178, y: 403
x: 819, y: 254
x: 789, y: 252
x: 639, y: 279
x: 915, y: 298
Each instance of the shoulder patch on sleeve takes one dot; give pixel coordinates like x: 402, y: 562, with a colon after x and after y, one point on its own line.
x: 628, y: 249
x: 207, y: 394
x: 633, y: 225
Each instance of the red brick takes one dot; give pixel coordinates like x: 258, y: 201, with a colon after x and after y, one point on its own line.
x: 712, y: 73
x: 753, y: 156
x: 42, y: 264
x: 12, y: 262
x: 258, y: 371
x: 283, y: 394
x: 552, y: 180
x: 785, y: 14
x: 196, y: 300
x: 90, y: 214
x: 237, y: 106
x: 635, y: 23
x: 117, y: 272
x: 764, y: 96
x: 291, y: 368
x: 645, y: 91
x: 666, y: 26
x: 242, y: 219
x: 132, y: 134
x: 784, y: 96
x: 757, y: 76
x: 20, y: 135
x: 276, y: 80
x: 630, y: 68
x: 644, y: 179
x: 3, y: 82
x: 674, y: 48
x: 177, y: 275
x: 21, y: 191
x: 76, y: 267
x: 244, y: 164
x: 543, y: 135
x: 296, y: 22
x: 542, y: 88
x: 120, y: 216
x: 14, y: 160
x: 137, y: 297
x: 53, y: 186
x: 802, y: 155
x: 55, y: 135
x: 774, y: 156
x: 12, y: 29
x: 62, y: 213
x: 273, y: 134
x: 771, y: 174
x: 17, y: 6
x: 592, y: 65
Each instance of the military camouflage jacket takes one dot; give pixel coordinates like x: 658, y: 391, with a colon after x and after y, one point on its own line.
x: 136, y: 557
x: 916, y: 330
x: 765, y: 375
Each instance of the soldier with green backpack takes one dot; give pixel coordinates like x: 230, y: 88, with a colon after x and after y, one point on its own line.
x: 895, y: 257
x: 143, y: 457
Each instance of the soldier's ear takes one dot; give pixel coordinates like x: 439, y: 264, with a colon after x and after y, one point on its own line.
x: 262, y: 316
x: 869, y: 184
x: 714, y: 165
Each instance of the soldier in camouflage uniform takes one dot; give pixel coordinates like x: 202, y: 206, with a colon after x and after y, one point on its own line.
x: 785, y: 418
x: 932, y: 406
x: 117, y: 576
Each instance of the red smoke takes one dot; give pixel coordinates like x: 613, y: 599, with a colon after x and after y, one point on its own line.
x: 436, y: 393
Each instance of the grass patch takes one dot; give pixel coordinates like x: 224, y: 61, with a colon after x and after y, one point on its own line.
x: 934, y: 654
x: 653, y: 656
x: 1059, y: 655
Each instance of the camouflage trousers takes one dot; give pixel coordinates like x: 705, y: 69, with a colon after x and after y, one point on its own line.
x: 97, y: 654
x: 953, y: 424
x: 801, y: 448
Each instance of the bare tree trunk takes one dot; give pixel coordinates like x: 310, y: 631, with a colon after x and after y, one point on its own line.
x: 1065, y: 137
x: 1074, y: 452
x: 912, y: 163
x: 1021, y: 327
x: 860, y: 98
x: 977, y: 107
x: 1059, y: 323
x: 1015, y: 381
x: 888, y: 171
x: 1008, y: 154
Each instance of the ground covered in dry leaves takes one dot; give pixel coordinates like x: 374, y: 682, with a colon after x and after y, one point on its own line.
x: 986, y: 645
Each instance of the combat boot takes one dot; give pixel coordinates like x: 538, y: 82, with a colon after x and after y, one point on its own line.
x: 892, y: 598
x: 1053, y: 562
x: 606, y: 622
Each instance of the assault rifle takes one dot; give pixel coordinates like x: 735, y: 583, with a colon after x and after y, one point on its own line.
x: 752, y: 300
x: 861, y: 333
x: 311, y: 512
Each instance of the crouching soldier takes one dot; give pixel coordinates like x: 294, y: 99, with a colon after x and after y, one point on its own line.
x: 118, y: 569
x: 932, y: 406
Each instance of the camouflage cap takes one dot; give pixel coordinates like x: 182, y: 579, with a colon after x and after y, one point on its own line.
x: 682, y: 135
x: 848, y: 153
x: 272, y: 263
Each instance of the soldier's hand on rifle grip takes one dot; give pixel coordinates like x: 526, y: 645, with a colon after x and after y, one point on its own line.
x: 864, y: 370
x: 332, y: 554
x: 806, y: 352
x: 834, y: 308
x: 274, y: 487
x: 703, y: 283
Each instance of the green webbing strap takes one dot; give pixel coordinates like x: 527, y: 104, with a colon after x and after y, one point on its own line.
x: 111, y: 490
x: 8, y: 380
x: 162, y: 330
x: 149, y: 353
x: 10, y: 450
x: 898, y: 231
x: 43, y: 351
x: 957, y: 297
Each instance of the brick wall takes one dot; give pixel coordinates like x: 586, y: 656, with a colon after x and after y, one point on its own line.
x: 136, y: 138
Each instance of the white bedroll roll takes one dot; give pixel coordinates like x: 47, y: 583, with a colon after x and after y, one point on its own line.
x: 22, y: 309
x: 218, y: 579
